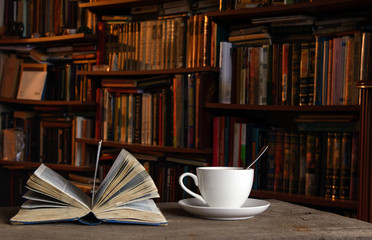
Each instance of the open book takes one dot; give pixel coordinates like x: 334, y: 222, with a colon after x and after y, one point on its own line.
x: 124, y: 196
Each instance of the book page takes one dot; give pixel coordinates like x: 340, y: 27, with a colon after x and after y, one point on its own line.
x: 36, y: 196
x: 110, y: 175
x: 48, y: 181
x: 31, y: 204
x: 41, y: 215
x: 129, y: 181
x: 144, y: 211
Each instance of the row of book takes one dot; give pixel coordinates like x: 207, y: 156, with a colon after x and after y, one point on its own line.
x: 43, y: 16
x: 241, y: 4
x: 313, y: 163
x: 58, y: 82
x: 165, y: 43
x: 323, y: 72
x: 51, y: 139
x: 64, y: 84
x: 152, y: 114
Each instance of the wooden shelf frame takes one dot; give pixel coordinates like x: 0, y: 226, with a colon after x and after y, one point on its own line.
x: 79, y: 37
x: 143, y: 147
x: 148, y: 72
x: 316, y: 7
x: 352, y: 109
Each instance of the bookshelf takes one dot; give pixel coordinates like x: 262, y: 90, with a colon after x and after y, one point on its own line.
x: 283, y: 115
x: 276, y: 114
x: 90, y: 13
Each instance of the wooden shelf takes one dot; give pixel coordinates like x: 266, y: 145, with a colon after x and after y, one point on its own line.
x: 52, y: 105
x: 148, y: 72
x: 334, y: 109
x: 316, y: 7
x: 142, y: 147
x: 112, y: 7
x: 308, y: 200
x: 48, y: 40
x: 48, y: 103
x: 34, y: 165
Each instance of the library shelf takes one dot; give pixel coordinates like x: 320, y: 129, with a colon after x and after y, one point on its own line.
x: 308, y: 200
x: 54, y: 166
x: 144, y: 147
x: 282, y: 108
x: 52, y: 105
x: 315, y: 7
x: 73, y: 38
x: 148, y: 72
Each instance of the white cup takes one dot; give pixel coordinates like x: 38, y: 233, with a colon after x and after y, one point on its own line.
x: 223, y: 187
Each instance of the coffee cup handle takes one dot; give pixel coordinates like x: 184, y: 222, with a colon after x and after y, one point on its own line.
x: 195, y: 178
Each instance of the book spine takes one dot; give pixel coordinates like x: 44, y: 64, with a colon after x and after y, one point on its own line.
x: 286, y: 160
x: 191, y: 110
x: 304, y: 74
x: 271, y: 158
x: 302, y: 163
x: 311, y: 74
x: 286, y: 71
x: 225, y: 73
x: 216, y: 137
x: 137, y: 118
x: 296, y: 61
x: 329, y: 172
x: 310, y: 187
x: 337, y: 149
x: 319, y: 51
x: 354, y: 167
x: 346, y: 146
x: 263, y: 75
x: 294, y: 163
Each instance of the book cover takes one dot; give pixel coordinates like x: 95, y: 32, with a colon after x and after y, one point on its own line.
x: 125, y: 196
x: 31, y: 85
x: 10, y: 77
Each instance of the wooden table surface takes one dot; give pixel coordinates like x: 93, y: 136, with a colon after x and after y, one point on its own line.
x: 280, y: 221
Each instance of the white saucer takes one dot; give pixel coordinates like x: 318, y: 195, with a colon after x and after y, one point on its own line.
x: 249, y: 209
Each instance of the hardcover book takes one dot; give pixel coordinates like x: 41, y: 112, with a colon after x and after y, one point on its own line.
x: 124, y: 196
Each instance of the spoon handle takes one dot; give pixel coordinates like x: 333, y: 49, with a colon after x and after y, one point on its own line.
x: 262, y: 151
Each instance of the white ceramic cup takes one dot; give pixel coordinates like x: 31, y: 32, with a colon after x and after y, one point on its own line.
x: 223, y: 187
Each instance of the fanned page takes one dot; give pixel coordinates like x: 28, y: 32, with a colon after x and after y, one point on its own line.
x: 126, y: 181
x: 125, y: 194
x: 51, y: 198
x: 47, y: 181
